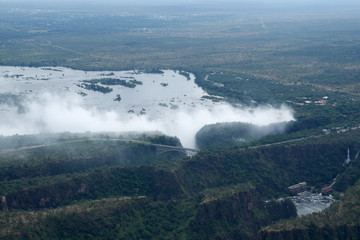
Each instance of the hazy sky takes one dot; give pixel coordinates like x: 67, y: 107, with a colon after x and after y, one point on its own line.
x: 147, y: 2
x: 223, y: 4
x: 313, y: 5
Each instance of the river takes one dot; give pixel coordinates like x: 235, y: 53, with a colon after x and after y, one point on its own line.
x: 307, y: 202
x: 56, y: 99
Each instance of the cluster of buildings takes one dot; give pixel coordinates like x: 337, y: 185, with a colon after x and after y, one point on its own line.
x: 323, y: 101
x: 300, y: 187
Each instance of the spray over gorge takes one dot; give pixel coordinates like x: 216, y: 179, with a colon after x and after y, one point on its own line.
x: 181, y: 119
x: 50, y: 100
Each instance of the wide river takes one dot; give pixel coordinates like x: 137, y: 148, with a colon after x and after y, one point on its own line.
x: 56, y: 99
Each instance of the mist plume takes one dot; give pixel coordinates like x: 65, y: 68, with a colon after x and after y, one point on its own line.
x: 49, y: 113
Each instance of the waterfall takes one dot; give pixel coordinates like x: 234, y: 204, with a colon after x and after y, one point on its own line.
x: 347, y: 160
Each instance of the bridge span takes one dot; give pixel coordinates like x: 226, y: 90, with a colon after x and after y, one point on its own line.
x: 160, y: 148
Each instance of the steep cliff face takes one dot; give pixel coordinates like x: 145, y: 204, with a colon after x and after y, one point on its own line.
x: 51, y: 196
x: 99, y: 183
x: 166, y: 186
x: 217, y: 194
x: 229, y: 209
x: 343, y: 232
x: 271, y: 168
x: 237, y: 215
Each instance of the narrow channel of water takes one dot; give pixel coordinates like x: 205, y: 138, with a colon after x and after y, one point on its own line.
x: 307, y: 202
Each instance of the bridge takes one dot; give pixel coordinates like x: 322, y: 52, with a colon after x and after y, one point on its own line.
x: 160, y: 149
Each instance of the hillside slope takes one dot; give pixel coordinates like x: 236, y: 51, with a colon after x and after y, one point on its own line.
x: 220, y: 193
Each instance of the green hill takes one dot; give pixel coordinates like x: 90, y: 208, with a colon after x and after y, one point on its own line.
x: 85, y: 190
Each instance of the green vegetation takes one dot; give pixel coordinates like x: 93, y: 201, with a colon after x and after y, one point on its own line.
x: 212, y: 98
x: 105, y: 187
x: 340, y: 221
x: 230, y: 183
x: 73, y: 157
x: 161, y: 139
x: 107, y: 74
x: 95, y: 87
x: 163, y: 105
x: 185, y: 74
x: 110, y: 218
x: 118, y: 98
x: 82, y: 94
x: 153, y: 71
x: 115, y: 81
x: 235, y: 134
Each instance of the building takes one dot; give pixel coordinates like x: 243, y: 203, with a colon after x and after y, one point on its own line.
x: 300, y: 187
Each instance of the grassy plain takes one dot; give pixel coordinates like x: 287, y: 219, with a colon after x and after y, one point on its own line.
x: 289, y: 46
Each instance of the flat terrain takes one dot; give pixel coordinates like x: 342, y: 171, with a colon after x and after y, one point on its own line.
x: 293, y: 46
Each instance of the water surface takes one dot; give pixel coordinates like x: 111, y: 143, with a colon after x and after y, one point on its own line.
x: 56, y: 99
x: 307, y: 202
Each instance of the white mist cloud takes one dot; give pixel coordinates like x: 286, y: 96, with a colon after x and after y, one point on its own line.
x: 49, y: 113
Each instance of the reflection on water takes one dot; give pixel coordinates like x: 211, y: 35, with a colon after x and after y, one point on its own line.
x: 307, y: 202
